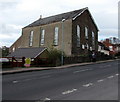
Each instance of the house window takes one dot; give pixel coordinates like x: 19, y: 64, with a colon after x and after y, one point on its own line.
x: 13, y: 49
x: 99, y: 48
x: 102, y: 48
x: 87, y: 46
x: 111, y: 48
x: 31, y: 39
x: 90, y: 48
x: 56, y: 36
x: 93, y: 40
x: 42, y: 37
x: 86, y: 32
x: 78, y: 36
x: 83, y: 46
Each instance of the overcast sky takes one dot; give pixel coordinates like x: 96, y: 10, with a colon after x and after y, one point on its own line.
x: 15, y: 14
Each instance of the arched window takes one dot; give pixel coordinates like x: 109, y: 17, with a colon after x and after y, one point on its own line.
x: 31, y: 39
x: 78, y: 36
x: 93, y: 40
x: 56, y: 36
x: 42, y: 37
x: 86, y: 32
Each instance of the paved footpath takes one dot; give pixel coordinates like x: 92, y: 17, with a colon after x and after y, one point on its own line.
x: 20, y: 70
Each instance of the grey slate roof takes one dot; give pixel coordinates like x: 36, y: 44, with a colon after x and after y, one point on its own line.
x: 56, y: 18
x: 27, y: 52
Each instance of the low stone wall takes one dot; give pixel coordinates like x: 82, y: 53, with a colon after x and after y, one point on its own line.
x: 79, y: 59
x: 82, y: 59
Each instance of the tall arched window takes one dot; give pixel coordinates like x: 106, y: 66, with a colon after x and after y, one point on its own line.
x: 78, y: 36
x: 42, y: 37
x: 86, y: 32
x: 93, y: 40
x: 31, y: 39
x: 56, y: 36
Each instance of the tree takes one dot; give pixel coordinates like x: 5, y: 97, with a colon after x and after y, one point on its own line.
x: 5, y: 51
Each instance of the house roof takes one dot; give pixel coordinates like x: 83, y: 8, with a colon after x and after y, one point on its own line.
x: 27, y: 52
x: 101, y: 44
x: 105, y: 48
x: 116, y: 45
x: 56, y: 18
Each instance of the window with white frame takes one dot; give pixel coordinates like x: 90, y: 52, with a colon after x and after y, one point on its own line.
x: 78, y: 36
x: 93, y: 40
x: 13, y: 49
x: 86, y: 32
x: 31, y: 39
x: 42, y: 37
x: 90, y: 48
x: 87, y: 46
x: 83, y: 46
x: 56, y: 36
x: 111, y: 48
x: 99, y: 48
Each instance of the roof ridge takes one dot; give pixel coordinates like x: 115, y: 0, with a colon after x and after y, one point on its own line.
x: 57, y: 17
x: 64, y: 13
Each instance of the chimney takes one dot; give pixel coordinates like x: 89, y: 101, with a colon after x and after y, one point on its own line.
x: 40, y: 16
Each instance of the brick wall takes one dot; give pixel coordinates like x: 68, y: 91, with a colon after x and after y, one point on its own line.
x: 83, y: 21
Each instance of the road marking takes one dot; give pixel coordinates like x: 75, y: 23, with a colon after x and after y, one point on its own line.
x: 90, y: 69
x: 32, y: 79
x: 110, y: 77
x: 45, y: 76
x: 15, y: 81
x: 100, y: 80
x: 47, y: 99
x: 87, y: 85
x: 82, y: 70
x: 69, y: 91
x: 44, y: 100
x: 107, y: 66
x: 76, y: 72
x: 116, y: 74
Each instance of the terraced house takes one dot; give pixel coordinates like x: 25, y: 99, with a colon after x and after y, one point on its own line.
x: 73, y: 32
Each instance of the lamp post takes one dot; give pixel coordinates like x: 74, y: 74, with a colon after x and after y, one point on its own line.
x: 62, y: 56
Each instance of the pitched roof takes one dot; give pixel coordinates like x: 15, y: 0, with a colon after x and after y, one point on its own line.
x: 101, y: 44
x: 56, y: 18
x: 69, y: 15
x: 27, y: 52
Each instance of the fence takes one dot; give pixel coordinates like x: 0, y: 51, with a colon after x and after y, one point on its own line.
x: 18, y: 62
x: 46, y: 62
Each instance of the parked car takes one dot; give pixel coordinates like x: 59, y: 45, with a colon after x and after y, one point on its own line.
x: 5, y: 62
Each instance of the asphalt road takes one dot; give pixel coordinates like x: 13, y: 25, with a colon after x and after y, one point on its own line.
x: 89, y: 82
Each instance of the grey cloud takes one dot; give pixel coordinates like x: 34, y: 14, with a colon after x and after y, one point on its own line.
x: 8, y: 40
x: 106, y: 33
x: 12, y: 14
x: 8, y: 5
x: 6, y: 29
x: 119, y: 19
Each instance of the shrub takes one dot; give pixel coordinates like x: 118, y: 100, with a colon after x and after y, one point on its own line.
x: 55, y: 56
x: 117, y: 54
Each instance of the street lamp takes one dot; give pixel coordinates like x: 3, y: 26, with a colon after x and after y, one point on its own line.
x: 62, y: 56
